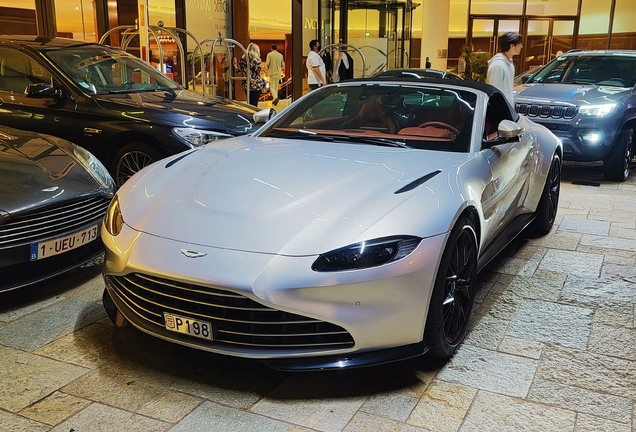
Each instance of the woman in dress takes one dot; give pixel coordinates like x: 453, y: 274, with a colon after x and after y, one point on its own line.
x: 253, y: 67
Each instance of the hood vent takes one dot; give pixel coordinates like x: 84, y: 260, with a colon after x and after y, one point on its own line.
x: 418, y: 182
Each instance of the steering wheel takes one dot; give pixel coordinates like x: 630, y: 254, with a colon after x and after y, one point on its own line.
x: 440, y: 125
x: 127, y: 84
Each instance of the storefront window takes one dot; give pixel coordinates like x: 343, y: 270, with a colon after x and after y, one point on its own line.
x: 624, y: 26
x: 18, y: 17
x: 547, y: 8
x: 496, y: 7
x: 594, y: 24
x: 75, y: 19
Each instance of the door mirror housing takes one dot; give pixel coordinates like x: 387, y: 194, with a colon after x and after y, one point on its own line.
x: 507, y: 131
x: 42, y: 91
x: 264, y: 115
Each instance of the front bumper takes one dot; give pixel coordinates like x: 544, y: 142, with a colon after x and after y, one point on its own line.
x: 348, y: 315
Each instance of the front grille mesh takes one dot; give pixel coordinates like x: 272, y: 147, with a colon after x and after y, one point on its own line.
x: 557, y: 126
x: 52, y: 221
x: 236, y: 319
x: 546, y: 111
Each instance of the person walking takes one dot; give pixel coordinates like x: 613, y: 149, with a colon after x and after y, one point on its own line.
x: 253, y: 67
x: 501, y: 69
x: 275, y: 64
x: 316, y: 71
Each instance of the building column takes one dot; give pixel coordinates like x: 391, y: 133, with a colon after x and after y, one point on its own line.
x: 435, y: 14
x: 45, y: 18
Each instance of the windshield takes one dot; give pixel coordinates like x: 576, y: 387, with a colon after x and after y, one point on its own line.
x: 99, y: 70
x: 423, y: 117
x: 606, y: 70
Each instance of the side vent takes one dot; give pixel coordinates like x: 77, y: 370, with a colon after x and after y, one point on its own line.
x: 418, y: 182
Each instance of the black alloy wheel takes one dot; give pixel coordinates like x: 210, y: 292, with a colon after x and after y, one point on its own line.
x: 131, y: 159
x: 549, y: 201
x: 454, y: 293
x: 618, y: 165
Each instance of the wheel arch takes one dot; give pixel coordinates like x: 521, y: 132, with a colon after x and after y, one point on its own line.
x: 122, y: 139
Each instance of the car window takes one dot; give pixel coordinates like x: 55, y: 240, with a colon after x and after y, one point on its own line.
x: 99, y: 69
x: 418, y: 116
x: 608, y: 70
x: 18, y: 70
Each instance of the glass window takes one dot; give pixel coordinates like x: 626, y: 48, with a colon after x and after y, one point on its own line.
x: 75, y: 19
x: 552, y: 8
x: 594, y: 24
x: 612, y: 71
x: 18, y: 70
x: 496, y: 7
x: 624, y: 25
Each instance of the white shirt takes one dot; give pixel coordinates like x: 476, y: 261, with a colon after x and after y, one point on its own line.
x: 314, y: 60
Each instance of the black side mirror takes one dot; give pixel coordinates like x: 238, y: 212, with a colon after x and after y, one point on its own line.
x: 43, y: 91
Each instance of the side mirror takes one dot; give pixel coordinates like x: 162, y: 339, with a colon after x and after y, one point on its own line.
x: 264, y: 115
x: 42, y: 91
x: 526, y: 78
x: 506, y: 131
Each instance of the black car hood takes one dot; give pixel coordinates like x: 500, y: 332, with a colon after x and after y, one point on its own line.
x: 183, y: 108
x: 576, y: 94
x: 36, y: 172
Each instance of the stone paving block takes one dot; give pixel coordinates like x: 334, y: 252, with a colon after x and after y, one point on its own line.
x: 28, y: 378
x: 614, y: 215
x: 443, y: 407
x: 487, y: 332
x: 36, y: 330
x: 521, y: 347
x: 585, y: 226
x: 99, y: 417
x: 55, y: 408
x: 214, y: 417
x: 614, y: 319
x: 619, y: 260
x: 490, y: 370
x: 550, y: 276
x: 617, y: 295
x: 533, y: 288
x: 620, y: 272
x: 390, y: 405
x: 90, y: 292
x: 604, y: 243
x: 558, y: 240
x: 13, y: 314
x: 552, y: 323
x: 516, y: 266
x: 595, y: 372
x: 170, y: 406
x: 363, y: 422
x: 493, y: 412
x: 613, y: 341
x: 619, y: 231
x: 572, y: 262
x: 14, y: 423
x: 588, y: 423
x: 581, y: 400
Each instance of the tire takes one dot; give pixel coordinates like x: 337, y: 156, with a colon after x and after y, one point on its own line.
x: 549, y: 201
x: 616, y: 167
x: 130, y: 159
x: 453, y: 294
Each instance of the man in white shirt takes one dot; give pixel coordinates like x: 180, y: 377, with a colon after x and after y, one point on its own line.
x: 316, y: 71
x: 501, y: 69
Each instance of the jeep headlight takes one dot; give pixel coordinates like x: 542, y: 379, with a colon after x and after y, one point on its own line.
x: 598, y: 110
x: 198, y: 137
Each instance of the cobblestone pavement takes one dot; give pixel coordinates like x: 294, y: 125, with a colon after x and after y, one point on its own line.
x: 552, y: 347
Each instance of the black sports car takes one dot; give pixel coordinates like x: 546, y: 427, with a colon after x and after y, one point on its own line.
x: 53, y: 197
x: 115, y: 105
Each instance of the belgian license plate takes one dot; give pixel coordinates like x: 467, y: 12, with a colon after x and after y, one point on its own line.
x: 189, y: 326
x: 62, y: 244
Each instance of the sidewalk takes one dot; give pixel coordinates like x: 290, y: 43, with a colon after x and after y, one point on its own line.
x: 552, y: 347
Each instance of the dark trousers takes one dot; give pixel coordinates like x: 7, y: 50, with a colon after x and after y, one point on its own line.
x: 314, y: 86
x: 254, y: 95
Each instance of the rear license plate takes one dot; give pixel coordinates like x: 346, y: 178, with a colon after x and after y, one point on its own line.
x: 189, y: 326
x: 62, y: 244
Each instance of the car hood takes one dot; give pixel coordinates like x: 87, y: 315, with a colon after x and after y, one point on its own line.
x: 557, y: 93
x: 287, y: 196
x: 36, y: 172
x: 183, y: 107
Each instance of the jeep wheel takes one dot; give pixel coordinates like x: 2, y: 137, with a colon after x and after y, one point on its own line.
x: 616, y: 166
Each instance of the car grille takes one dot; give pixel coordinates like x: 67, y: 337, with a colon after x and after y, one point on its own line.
x: 546, y: 111
x: 557, y: 126
x: 237, y: 320
x: 52, y: 221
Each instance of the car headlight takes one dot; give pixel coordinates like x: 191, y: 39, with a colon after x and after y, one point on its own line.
x: 598, y: 110
x: 94, y: 167
x: 366, y: 254
x: 114, y: 219
x: 198, y: 137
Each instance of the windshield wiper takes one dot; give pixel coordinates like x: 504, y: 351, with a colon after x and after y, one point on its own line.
x: 579, y: 82
x: 307, y: 134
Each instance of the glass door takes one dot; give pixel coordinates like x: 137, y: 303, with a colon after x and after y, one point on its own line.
x: 484, y: 32
x: 546, y: 38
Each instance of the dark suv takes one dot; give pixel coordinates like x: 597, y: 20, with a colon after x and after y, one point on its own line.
x: 115, y: 105
x: 586, y: 98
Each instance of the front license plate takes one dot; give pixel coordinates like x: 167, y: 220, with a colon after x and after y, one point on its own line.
x: 62, y: 244
x: 189, y: 326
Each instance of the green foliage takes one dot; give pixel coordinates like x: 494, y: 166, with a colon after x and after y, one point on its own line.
x: 476, y: 64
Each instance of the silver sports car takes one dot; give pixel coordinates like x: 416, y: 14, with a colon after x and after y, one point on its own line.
x: 347, y: 231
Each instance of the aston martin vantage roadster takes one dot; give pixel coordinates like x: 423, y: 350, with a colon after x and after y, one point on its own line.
x: 348, y: 231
